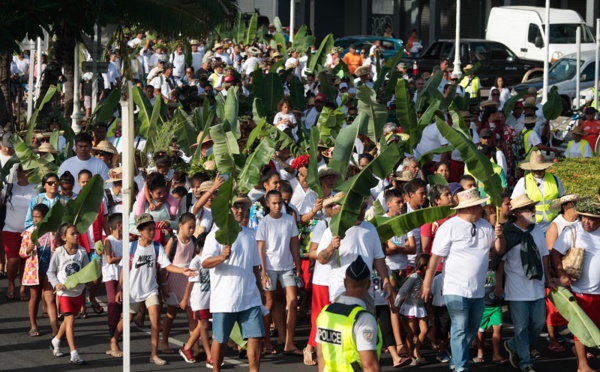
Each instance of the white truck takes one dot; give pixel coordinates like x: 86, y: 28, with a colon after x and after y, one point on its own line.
x: 522, y: 29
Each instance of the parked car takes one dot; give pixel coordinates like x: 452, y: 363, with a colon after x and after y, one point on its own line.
x: 496, y: 60
x: 389, y: 46
x: 562, y: 74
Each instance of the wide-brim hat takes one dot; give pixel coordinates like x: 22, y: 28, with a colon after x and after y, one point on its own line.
x: 404, y: 176
x: 488, y: 104
x: 205, y: 140
x: 277, y: 55
x: 333, y: 199
x: 246, y: 201
x: 470, y: 198
x: 362, y: 71
x: 115, y: 175
x: 209, y: 165
x: 205, y: 186
x: 466, y: 114
x: 143, y: 219
x: 537, y: 161
x: 530, y: 120
x: 521, y: 201
x: 579, y: 130
x: 468, y: 67
x: 588, y: 208
x: 46, y: 147
x: 106, y: 147
x: 326, y: 171
x: 254, y: 51
x: 217, y: 46
x: 558, y: 203
x: 530, y: 103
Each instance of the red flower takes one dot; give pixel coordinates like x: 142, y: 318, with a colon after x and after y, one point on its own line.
x: 301, y: 161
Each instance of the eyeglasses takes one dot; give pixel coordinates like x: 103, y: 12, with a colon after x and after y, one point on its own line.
x: 238, y: 206
x: 100, y: 153
x: 52, y: 183
x: 473, y: 230
x: 207, y: 90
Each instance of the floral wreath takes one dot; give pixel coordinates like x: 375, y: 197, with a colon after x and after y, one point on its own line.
x: 301, y: 161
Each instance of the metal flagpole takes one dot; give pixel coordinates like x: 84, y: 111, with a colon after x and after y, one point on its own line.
x: 597, y: 73
x: 546, y: 52
x: 39, y: 68
x: 30, y: 86
x: 127, y: 165
x: 76, y: 116
x: 578, y: 62
x: 292, y: 15
x: 457, y: 69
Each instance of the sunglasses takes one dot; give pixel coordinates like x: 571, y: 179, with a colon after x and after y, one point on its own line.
x: 531, y: 208
x: 495, y: 94
x: 100, y: 153
x: 52, y: 183
x: 473, y: 230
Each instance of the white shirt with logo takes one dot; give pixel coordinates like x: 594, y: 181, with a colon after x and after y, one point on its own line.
x: 142, y: 277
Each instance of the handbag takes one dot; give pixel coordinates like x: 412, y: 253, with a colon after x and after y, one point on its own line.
x: 572, y: 261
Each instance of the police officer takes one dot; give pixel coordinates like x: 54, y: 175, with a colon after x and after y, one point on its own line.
x: 348, y: 338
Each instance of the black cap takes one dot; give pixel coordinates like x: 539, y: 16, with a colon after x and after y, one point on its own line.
x: 485, y: 132
x: 358, y: 270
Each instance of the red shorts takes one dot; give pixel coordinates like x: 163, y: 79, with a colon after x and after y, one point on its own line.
x: 71, y: 305
x: 553, y: 317
x: 590, y: 304
x: 306, y: 274
x: 202, y: 314
x: 12, y: 243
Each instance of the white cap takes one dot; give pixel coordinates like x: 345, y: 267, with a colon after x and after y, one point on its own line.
x: 343, y: 85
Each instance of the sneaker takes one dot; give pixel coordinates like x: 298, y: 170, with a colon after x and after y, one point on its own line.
x: 442, y: 357
x: 56, y: 351
x: 512, y: 356
x: 209, y: 363
x: 528, y: 369
x: 187, y: 355
x: 78, y: 361
x: 535, y: 354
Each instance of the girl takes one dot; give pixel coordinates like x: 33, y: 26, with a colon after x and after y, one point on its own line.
x: 269, y: 180
x: 68, y: 259
x: 38, y: 260
x: 284, y: 114
x: 113, y: 251
x: 442, y: 169
x: 413, y: 309
x: 180, y: 250
x: 163, y: 165
x: 197, y: 296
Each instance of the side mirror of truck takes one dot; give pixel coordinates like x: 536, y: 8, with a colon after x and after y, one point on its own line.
x: 539, y: 43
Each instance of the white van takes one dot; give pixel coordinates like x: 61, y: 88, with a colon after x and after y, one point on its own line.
x: 521, y: 28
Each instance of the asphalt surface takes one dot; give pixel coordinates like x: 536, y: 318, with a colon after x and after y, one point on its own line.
x: 20, y: 352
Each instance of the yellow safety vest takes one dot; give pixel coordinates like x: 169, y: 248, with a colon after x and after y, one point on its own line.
x: 542, y: 209
x: 335, y: 325
x: 474, y: 85
x: 595, y: 97
x: 582, y: 144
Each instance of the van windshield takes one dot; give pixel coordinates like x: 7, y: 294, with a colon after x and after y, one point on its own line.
x: 565, y: 33
x: 564, y: 69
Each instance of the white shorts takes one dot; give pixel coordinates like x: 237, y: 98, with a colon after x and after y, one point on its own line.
x: 413, y: 311
x: 87, y: 102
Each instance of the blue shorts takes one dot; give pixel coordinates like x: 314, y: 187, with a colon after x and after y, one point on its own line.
x: 250, y: 321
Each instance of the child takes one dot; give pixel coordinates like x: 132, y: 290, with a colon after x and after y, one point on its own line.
x: 413, y: 309
x: 180, y: 251
x: 163, y: 163
x: 113, y: 251
x: 197, y: 295
x: 68, y: 259
x: 67, y: 183
x: 36, y: 268
x: 146, y: 258
x: 285, y: 115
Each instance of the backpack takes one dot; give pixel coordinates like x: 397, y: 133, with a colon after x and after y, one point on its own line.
x: 110, y: 200
x: 133, y: 248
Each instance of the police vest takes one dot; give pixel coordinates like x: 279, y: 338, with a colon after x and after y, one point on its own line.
x: 335, y: 326
x: 582, y: 144
x: 542, y: 209
x: 595, y: 96
x: 470, y: 85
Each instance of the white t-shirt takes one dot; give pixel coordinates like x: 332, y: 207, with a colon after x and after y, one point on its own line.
x: 75, y: 165
x: 398, y: 261
x: 466, y: 256
x: 178, y: 61
x: 576, y: 151
x: 234, y: 277
x: 517, y: 286
x: 17, y: 206
x: 63, y: 265
x: 417, y: 235
x: 321, y: 272
x: 437, y: 287
x: 431, y: 139
x: 361, y: 240
x: 250, y: 65
x: 589, y: 283
x: 142, y: 277
x: 205, y: 219
x: 277, y: 233
x: 112, y: 271
x: 200, y: 295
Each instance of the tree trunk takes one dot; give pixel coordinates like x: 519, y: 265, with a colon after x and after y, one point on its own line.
x: 5, y: 105
x: 69, y: 69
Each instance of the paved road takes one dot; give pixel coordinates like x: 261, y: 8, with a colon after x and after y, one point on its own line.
x: 19, y: 352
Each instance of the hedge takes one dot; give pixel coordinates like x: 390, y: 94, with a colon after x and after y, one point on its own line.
x: 579, y: 176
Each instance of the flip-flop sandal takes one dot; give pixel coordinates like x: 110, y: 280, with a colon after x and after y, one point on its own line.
x: 167, y: 350
x: 269, y: 351
x: 403, y: 362
x: 556, y: 348
x: 295, y: 352
x: 10, y: 296
x: 308, y: 358
x: 158, y: 361
x: 500, y: 362
x: 33, y: 332
x: 114, y: 353
x: 98, y: 309
x: 478, y: 360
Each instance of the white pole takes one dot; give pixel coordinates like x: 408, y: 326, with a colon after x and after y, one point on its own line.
x: 457, y: 69
x: 30, y: 86
x: 39, y: 68
x: 597, y: 73
x: 127, y: 165
x: 292, y: 16
x: 95, y: 52
x: 76, y: 116
x: 546, y: 52
x: 577, y: 64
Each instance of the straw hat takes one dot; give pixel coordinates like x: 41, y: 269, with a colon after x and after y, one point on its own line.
x: 46, y: 147
x: 217, y: 46
x: 404, y: 176
x: 470, y: 198
x: 326, y: 171
x: 253, y: 51
x: 558, y: 203
x: 106, y: 147
x: 588, y: 208
x: 328, y: 202
x: 210, y: 165
x: 579, y: 130
x: 488, y: 104
x: 468, y: 67
x: 466, y: 115
x: 115, y: 174
x: 521, y: 201
x: 530, y: 103
x: 277, y: 55
x: 530, y: 120
x: 537, y: 161
x: 194, y: 42
x: 246, y: 201
x: 199, y: 137
x: 205, y: 186
x: 328, y: 153
x: 362, y: 71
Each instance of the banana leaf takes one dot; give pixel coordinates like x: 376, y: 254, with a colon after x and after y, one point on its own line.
x: 104, y: 112
x: 88, y: 273
x: 344, y: 144
x: 34, y: 116
x: 312, y: 177
x: 341, y: 70
x: 299, y: 36
x: 553, y: 107
x: 428, y: 156
x: 406, y: 114
x: 390, y: 65
x: 428, y: 115
x: 448, y: 100
x: 436, y: 179
x: 376, y: 112
x: 54, y: 139
x: 36, y: 167
x: 68, y: 134
x: 229, y: 228
x: 390, y: 88
x: 462, y: 102
x: 251, y: 31
x: 329, y: 124
x: 225, y: 150
x: 145, y: 113
x: 388, y: 227
x: 258, y: 109
x: 320, y: 56
x: 277, y: 65
x: 432, y: 85
x: 232, y: 105
x: 7, y: 167
x: 220, y: 107
x: 378, y: 208
x: 208, y: 114
x: 477, y: 163
x: 271, y: 93
x: 458, y: 122
x: 358, y: 188
x: 510, y: 103
x: 277, y: 24
x: 297, y: 94
x: 256, y: 133
x: 580, y: 323
x: 281, y: 43
x: 250, y: 174
x: 185, y: 132
x: 239, y: 30
x: 327, y: 88
x: 257, y: 82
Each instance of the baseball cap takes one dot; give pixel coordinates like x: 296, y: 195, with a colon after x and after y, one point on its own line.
x: 486, y: 132
x: 143, y: 219
x: 320, y: 97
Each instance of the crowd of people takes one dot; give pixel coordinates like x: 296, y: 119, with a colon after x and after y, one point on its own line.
x: 442, y: 284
